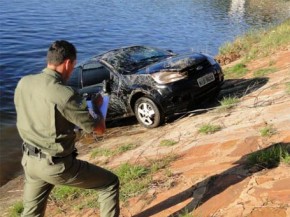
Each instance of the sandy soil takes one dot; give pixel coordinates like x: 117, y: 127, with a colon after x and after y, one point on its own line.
x: 208, y: 178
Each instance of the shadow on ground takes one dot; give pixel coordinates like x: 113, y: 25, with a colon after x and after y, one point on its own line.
x: 214, y: 185
x: 241, y: 87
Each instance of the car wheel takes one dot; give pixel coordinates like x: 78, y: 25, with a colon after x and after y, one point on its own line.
x: 147, y: 113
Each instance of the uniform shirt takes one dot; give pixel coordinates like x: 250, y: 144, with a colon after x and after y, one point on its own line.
x: 48, y: 111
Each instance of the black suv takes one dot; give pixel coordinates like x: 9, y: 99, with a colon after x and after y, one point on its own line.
x: 147, y: 82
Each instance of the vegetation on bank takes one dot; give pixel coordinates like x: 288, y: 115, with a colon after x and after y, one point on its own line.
x: 168, y: 142
x: 270, y: 157
x: 288, y: 87
x: 228, y: 102
x: 16, y: 209
x: 209, y: 128
x: 109, y: 152
x: 135, y: 179
x: 267, y: 131
x: 257, y: 43
x: 253, y: 45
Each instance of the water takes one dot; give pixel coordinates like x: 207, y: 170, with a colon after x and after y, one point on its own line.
x: 28, y: 27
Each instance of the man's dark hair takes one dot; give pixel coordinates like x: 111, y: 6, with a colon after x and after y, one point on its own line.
x: 59, y: 51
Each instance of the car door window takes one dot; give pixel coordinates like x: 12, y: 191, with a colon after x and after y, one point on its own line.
x: 93, y: 75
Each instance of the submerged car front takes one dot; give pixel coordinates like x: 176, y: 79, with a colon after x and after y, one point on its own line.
x: 182, y: 81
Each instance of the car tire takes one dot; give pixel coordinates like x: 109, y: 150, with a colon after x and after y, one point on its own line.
x: 147, y: 113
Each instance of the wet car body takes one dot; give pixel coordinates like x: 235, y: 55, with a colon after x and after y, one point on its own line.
x: 147, y: 82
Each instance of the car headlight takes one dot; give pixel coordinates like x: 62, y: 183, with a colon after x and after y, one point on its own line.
x: 210, y: 59
x: 166, y: 77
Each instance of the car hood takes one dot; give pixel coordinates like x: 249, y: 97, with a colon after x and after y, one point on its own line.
x: 174, y: 63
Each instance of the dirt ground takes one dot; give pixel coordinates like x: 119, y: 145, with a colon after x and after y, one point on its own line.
x: 208, y: 178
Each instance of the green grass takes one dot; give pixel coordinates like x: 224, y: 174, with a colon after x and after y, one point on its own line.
x: 258, y: 43
x: 126, y: 147
x: 186, y: 213
x: 86, y: 198
x: 168, y: 142
x: 286, y: 158
x: 128, y: 172
x: 67, y: 193
x: 136, y: 179
x: 270, y: 157
x: 209, y: 128
x: 162, y: 163
x: 236, y: 71
x: 288, y: 87
x: 264, y: 72
x: 102, y: 152
x: 16, y: 209
x: 228, y: 102
x: 267, y: 131
x: 114, y: 151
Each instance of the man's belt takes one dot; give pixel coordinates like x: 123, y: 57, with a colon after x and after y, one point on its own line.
x: 33, y: 151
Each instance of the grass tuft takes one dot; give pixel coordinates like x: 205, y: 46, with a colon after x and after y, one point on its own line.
x: 162, y: 163
x: 136, y: 179
x: 236, y: 71
x: 267, y: 131
x: 128, y: 172
x: 102, y: 152
x: 16, y: 209
x: 258, y: 43
x: 264, y: 72
x: 126, y: 147
x: 209, y: 128
x: 270, y: 157
x: 112, y: 152
x: 67, y: 193
x: 228, y: 102
x: 87, y: 198
x: 186, y: 213
x: 168, y: 142
x: 288, y: 87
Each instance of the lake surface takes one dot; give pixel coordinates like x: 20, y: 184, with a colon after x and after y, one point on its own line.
x: 27, y: 28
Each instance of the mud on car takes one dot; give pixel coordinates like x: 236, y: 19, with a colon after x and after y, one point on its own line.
x: 148, y: 82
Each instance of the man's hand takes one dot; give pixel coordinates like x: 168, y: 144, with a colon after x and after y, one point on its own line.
x: 97, y: 100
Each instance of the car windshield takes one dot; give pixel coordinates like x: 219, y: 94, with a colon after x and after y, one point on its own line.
x: 129, y: 60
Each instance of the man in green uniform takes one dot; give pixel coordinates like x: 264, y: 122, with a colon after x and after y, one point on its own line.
x: 47, y: 113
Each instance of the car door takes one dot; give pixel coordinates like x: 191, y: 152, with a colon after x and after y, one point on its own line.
x: 119, y: 102
x: 92, y: 76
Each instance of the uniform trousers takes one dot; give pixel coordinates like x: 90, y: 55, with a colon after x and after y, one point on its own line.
x: 42, y: 174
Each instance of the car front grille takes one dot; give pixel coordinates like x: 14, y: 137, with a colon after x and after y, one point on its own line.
x: 199, y: 68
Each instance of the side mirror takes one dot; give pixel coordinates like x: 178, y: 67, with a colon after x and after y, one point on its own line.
x: 106, y: 86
